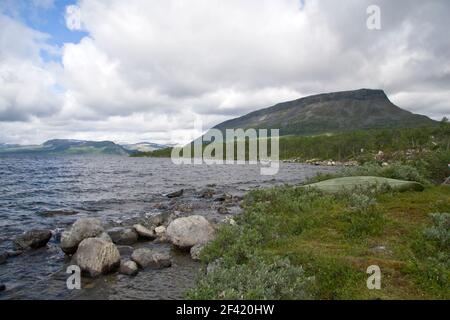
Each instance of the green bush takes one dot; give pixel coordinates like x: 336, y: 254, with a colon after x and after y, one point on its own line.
x: 434, y: 165
x: 432, y: 246
x: 440, y: 231
x: 364, y: 218
x: 254, y: 280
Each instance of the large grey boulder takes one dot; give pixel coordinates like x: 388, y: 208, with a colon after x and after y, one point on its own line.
x: 96, y: 256
x: 350, y: 183
x: 123, y: 236
x: 189, y: 231
x: 32, y: 239
x: 148, y: 258
x: 82, y: 229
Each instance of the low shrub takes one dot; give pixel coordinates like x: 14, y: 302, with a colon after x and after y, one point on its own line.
x: 255, y: 280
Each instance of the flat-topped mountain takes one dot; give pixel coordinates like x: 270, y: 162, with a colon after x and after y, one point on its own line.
x: 68, y: 146
x: 330, y: 112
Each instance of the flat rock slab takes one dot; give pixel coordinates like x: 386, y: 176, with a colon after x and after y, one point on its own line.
x: 33, y: 239
x: 350, y: 183
x: 175, y: 194
x: 53, y: 213
x: 123, y: 236
x: 144, y: 232
x: 149, y: 258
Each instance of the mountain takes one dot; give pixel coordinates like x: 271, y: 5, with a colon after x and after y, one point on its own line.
x: 67, y: 146
x: 328, y: 113
x: 143, y: 146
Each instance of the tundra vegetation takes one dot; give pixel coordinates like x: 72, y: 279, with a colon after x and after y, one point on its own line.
x: 302, y: 243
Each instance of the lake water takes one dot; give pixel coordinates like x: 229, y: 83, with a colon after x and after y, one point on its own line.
x: 119, y: 191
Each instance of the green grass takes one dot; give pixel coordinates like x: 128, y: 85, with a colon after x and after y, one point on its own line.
x: 333, y: 238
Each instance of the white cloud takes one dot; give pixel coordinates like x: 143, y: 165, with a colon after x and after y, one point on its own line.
x: 27, y: 85
x: 151, y: 67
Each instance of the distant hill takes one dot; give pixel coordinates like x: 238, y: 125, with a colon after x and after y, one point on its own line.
x: 330, y: 113
x: 67, y: 146
x: 143, y: 146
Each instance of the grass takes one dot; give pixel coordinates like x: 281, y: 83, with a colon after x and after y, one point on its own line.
x: 334, y: 238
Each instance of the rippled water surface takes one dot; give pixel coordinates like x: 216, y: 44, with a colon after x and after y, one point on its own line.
x: 118, y: 190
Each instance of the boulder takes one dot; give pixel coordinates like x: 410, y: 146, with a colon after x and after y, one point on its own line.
x: 148, y: 258
x: 96, y: 256
x: 143, y: 232
x: 350, y: 183
x: 160, y: 231
x: 128, y: 268
x: 196, y: 251
x: 189, y: 231
x: 33, y: 239
x: 175, y: 194
x: 161, y: 235
x: 82, y: 229
x: 123, y: 236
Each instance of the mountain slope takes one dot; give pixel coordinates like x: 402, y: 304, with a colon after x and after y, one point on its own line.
x: 330, y: 112
x: 68, y: 146
x: 143, y: 147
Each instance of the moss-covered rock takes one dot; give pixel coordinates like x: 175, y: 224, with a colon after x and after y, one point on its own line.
x: 350, y: 183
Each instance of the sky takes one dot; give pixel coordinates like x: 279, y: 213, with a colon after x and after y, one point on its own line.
x: 147, y: 70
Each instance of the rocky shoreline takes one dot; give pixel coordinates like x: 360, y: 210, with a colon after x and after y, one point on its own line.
x: 323, y: 163
x: 99, y: 249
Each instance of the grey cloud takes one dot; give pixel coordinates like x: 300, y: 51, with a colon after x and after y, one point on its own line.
x: 156, y: 68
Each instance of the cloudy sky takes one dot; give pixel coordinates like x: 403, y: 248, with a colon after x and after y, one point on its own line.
x: 145, y: 70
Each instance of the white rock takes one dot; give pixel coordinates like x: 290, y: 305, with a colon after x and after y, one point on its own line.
x: 160, y: 231
x: 189, y: 231
x: 143, y: 232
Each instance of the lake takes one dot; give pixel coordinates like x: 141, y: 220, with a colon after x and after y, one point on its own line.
x: 119, y: 191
